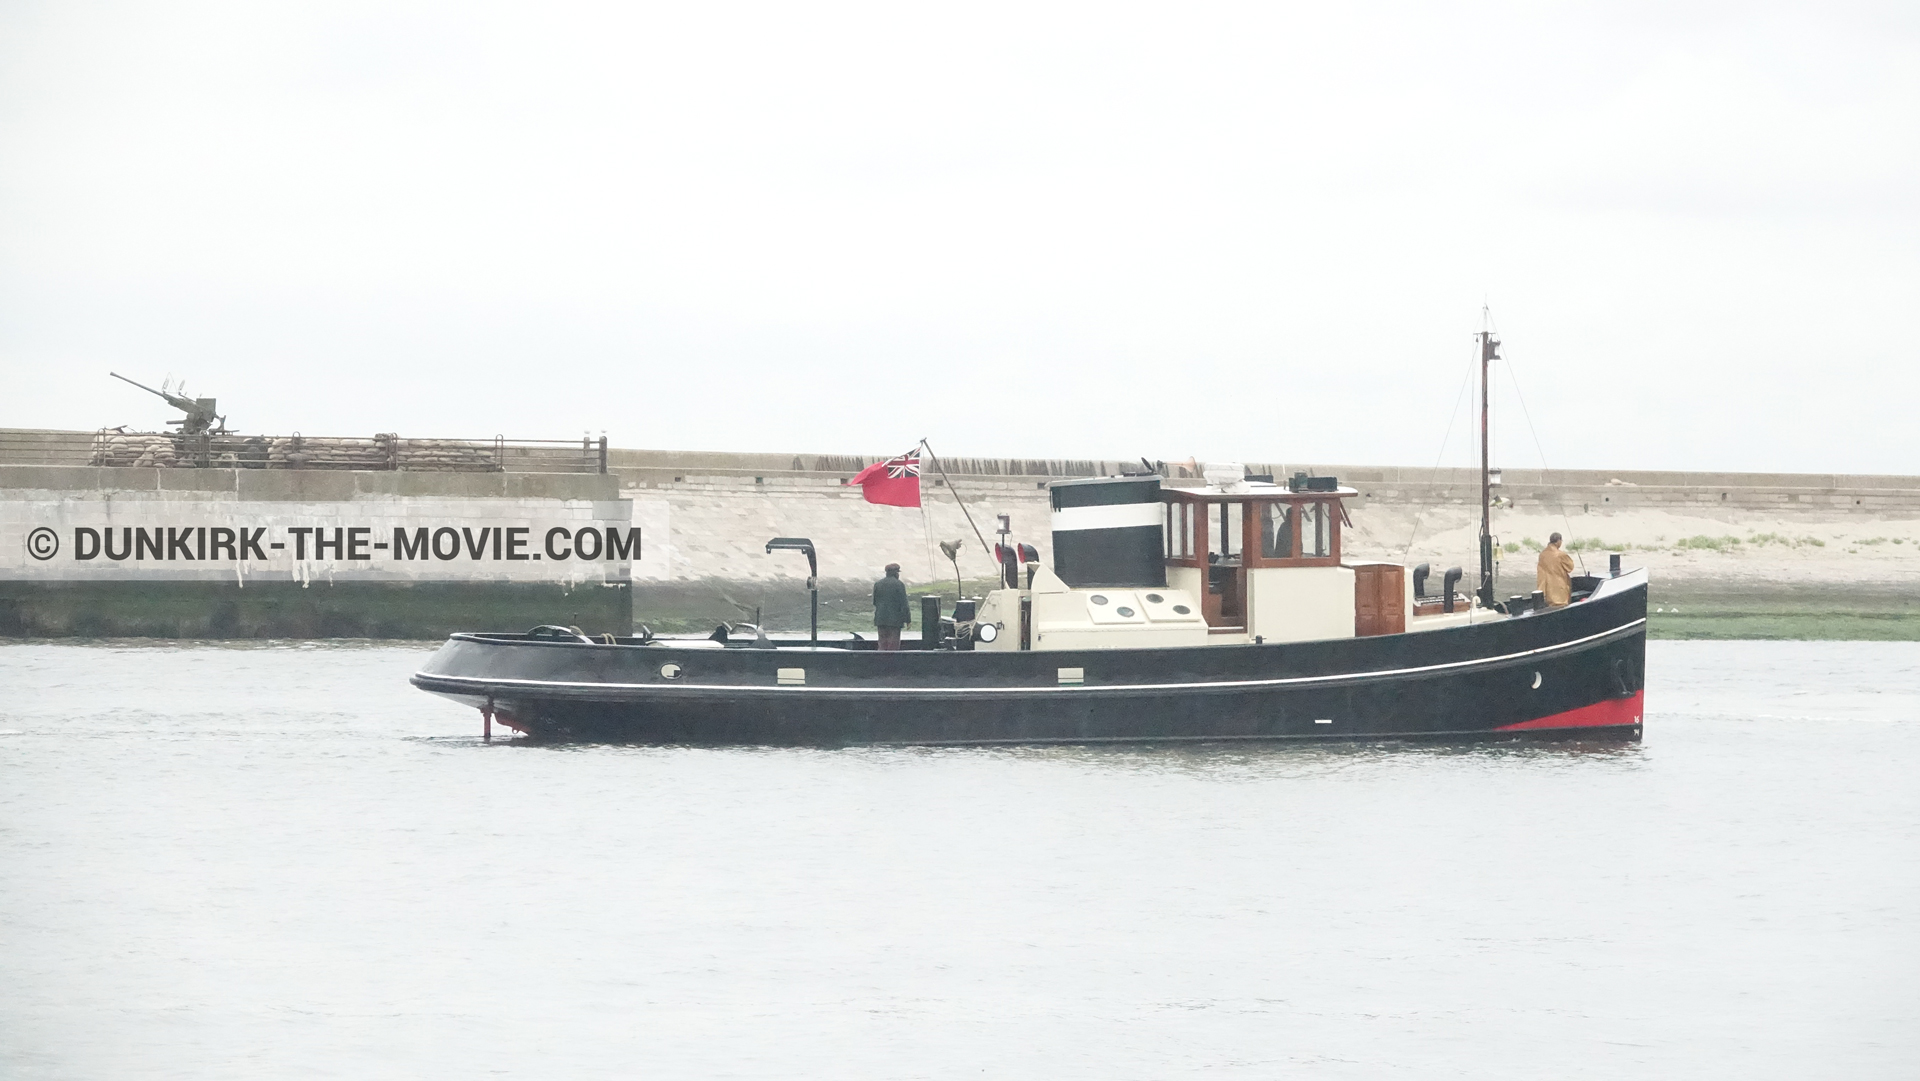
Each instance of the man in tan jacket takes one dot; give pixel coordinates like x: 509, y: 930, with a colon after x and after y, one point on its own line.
x: 1555, y: 578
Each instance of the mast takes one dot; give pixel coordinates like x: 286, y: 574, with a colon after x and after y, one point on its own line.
x: 1489, y: 349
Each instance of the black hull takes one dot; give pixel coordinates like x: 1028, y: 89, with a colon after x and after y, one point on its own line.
x: 1573, y: 673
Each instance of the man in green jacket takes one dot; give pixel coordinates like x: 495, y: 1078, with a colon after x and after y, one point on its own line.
x: 890, y: 607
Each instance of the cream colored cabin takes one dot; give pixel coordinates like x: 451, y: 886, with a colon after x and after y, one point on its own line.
x: 1137, y: 566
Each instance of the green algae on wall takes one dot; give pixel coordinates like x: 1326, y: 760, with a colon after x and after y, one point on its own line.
x: 1765, y: 611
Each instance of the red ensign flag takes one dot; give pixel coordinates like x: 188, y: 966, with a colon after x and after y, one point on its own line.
x: 894, y: 482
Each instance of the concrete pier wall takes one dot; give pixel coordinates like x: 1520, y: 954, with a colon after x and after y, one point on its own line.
x: 1555, y: 488
x: 700, y: 522
x: 290, y: 553
x: 720, y: 504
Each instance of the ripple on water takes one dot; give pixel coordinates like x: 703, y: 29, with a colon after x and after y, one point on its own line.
x: 278, y: 859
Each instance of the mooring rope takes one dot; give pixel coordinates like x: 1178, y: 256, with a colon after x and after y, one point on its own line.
x: 957, y: 498
x: 926, y: 529
x: 1514, y: 378
x: 1452, y: 417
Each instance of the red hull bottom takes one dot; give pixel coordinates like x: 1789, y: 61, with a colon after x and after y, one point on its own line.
x: 1612, y: 713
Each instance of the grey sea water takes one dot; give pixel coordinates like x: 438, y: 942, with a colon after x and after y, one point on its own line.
x: 283, y: 862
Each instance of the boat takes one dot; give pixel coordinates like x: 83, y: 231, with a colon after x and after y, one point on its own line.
x: 1211, y: 613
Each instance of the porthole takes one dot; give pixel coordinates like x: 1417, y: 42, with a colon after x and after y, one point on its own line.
x: 1182, y: 610
x: 1536, y: 681
x: 669, y: 671
x: 1098, y: 598
x: 1154, y: 598
x: 987, y: 632
x: 1123, y: 610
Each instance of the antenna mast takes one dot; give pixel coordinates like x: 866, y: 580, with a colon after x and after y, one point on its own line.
x: 1489, y: 350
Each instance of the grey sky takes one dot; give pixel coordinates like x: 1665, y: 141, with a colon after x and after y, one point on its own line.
x: 1259, y: 230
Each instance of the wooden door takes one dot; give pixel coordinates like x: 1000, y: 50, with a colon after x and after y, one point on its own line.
x: 1379, y: 599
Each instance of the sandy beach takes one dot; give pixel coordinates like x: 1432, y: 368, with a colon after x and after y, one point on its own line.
x: 1804, y: 549
x: 1807, y: 574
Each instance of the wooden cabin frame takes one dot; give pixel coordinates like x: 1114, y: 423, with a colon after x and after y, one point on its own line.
x: 1195, y: 517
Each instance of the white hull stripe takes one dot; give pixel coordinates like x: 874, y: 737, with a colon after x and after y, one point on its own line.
x: 678, y: 690
x: 1115, y: 516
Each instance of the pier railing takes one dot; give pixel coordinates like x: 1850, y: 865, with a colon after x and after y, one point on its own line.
x: 385, y: 451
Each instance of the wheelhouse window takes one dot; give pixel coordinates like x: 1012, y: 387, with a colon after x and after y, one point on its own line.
x: 1316, y: 530
x: 1223, y: 541
x: 1254, y: 530
x: 1276, y: 530
x: 1180, y: 530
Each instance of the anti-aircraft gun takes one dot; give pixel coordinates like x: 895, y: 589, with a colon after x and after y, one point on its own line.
x: 202, y: 439
x: 200, y: 419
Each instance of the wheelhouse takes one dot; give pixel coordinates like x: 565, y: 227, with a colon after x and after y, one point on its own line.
x: 1215, y: 538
